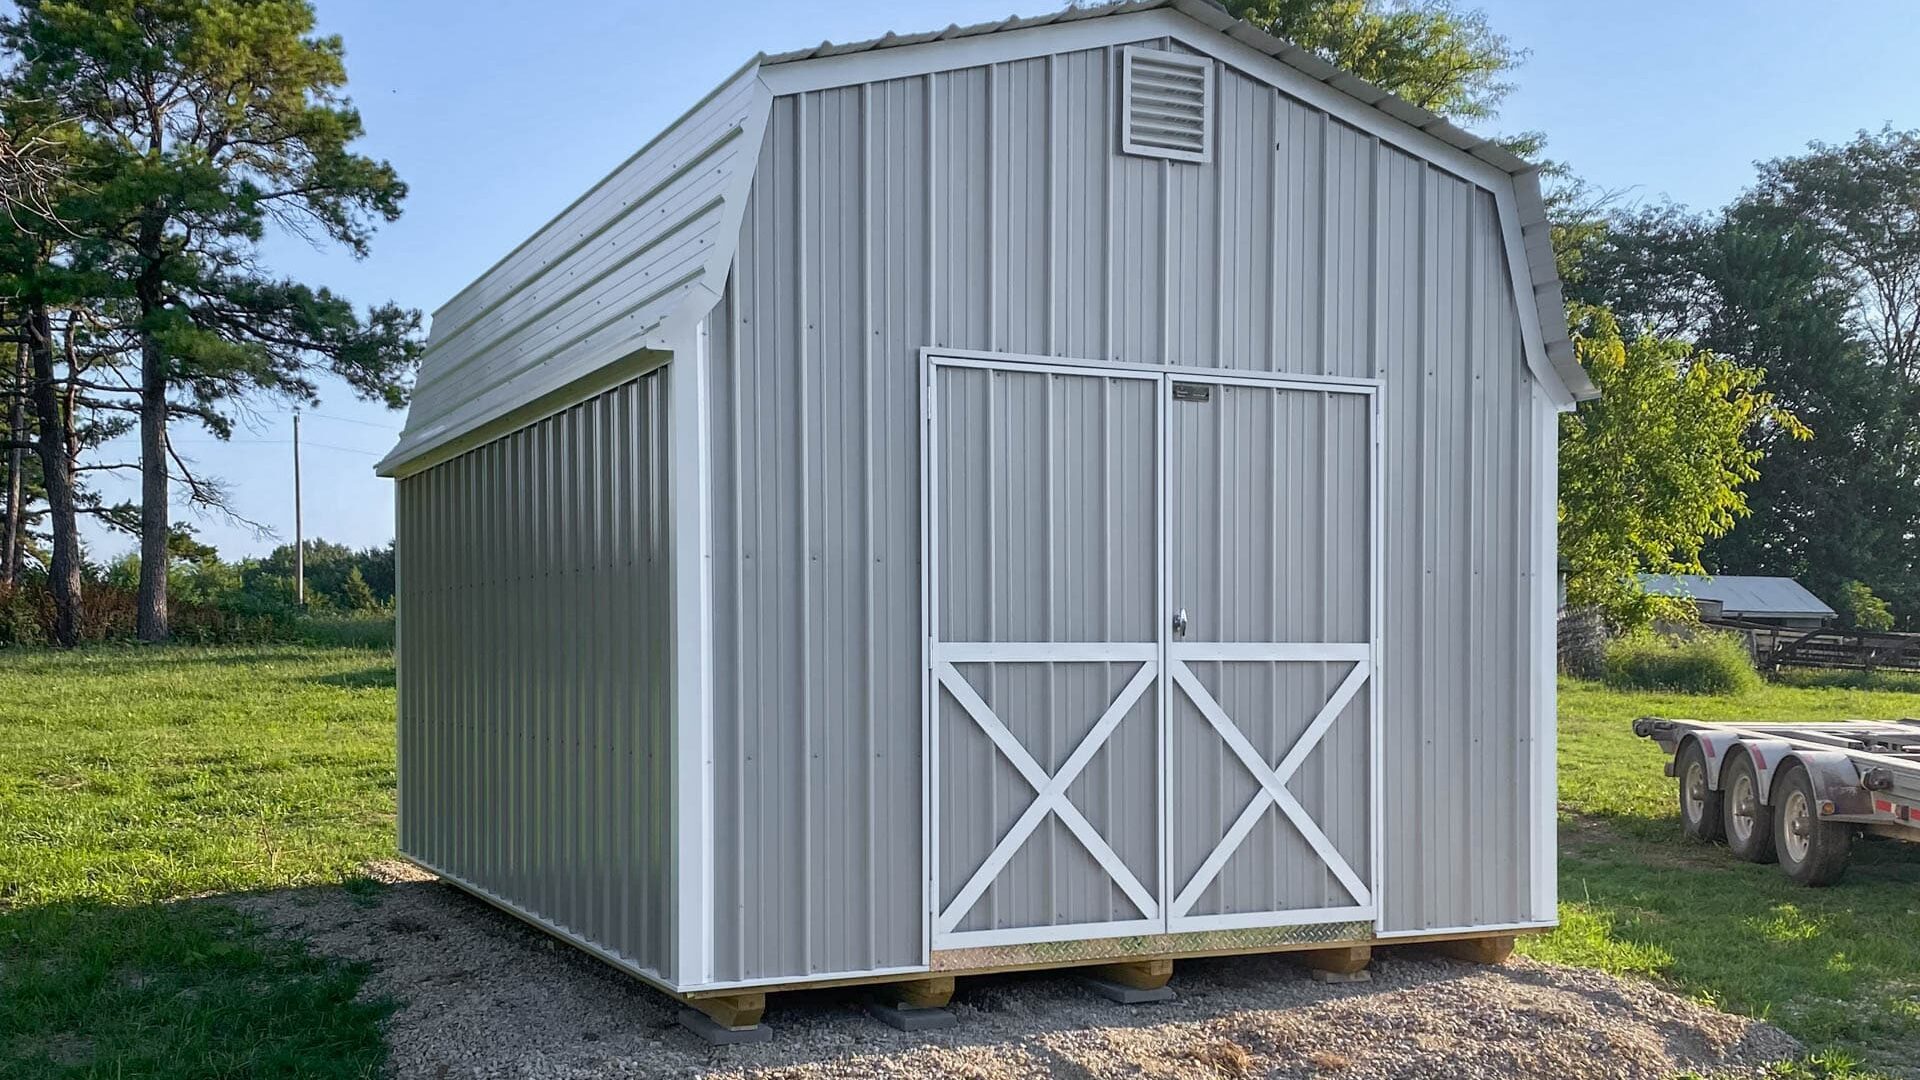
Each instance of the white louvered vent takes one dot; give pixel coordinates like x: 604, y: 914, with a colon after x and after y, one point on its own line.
x: 1166, y: 104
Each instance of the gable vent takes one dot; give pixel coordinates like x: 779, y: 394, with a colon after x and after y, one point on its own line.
x: 1167, y: 104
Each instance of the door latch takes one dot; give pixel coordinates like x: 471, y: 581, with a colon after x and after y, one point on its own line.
x: 1180, y: 623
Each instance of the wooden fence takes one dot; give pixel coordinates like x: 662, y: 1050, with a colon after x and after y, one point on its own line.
x: 1776, y: 647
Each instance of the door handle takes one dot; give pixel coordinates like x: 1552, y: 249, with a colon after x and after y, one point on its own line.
x: 1180, y: 623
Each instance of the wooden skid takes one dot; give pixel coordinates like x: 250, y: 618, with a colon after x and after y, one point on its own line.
x: 1342, y: 960
x: 1140, y: 974
x: 736, y: 1010
x: 1493, y: 949
x: 1333, y: 957
x: 920, y: 993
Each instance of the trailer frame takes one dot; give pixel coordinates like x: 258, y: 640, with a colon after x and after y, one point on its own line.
x: 1862, y: 774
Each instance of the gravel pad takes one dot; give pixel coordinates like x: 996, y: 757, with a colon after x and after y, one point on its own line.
x: 484, y: 995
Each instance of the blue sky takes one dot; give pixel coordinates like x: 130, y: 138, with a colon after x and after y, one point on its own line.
x: 497, y: 116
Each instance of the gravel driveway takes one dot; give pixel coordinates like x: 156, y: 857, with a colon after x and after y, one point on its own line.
x: 486, y: 996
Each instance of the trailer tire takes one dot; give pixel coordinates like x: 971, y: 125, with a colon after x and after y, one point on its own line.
x: 1812, y: 852
x: 1749, y: 822
x: 1700, y: 813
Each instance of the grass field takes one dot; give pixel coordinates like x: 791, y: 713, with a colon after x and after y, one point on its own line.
x: 1839, y: 968
x: 133, y: 778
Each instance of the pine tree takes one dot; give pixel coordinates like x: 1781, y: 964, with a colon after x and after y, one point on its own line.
x: 214, y: 119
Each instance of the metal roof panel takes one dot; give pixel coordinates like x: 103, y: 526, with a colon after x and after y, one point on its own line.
x: 1742, y: 595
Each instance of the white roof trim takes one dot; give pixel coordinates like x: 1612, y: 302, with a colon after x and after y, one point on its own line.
x: 672, y: 314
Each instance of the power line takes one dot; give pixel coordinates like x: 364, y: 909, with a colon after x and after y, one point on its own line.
x: 351, y: 420
x: 273, y: 442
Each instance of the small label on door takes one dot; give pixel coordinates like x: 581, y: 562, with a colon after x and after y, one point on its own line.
x: 1192, y: 391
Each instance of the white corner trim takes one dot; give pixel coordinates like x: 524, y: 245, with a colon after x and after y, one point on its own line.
x: 688, y: 500
x: 1546, y: 722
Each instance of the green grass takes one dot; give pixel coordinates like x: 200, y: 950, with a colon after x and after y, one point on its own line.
x: 130, y: 778
x: 1838, y: 968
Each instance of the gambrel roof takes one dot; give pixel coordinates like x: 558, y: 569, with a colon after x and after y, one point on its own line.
x: 622, y: 278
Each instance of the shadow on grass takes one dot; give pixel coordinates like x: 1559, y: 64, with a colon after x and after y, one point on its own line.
x: 182, y: 989
x: 1835, y: 967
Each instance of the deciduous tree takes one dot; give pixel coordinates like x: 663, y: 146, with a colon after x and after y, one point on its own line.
x: 1657, y: 466
x: 1434, y: 53
x: 1782, y: 280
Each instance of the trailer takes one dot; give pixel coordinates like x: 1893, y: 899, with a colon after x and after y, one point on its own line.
x: 1794, y: 793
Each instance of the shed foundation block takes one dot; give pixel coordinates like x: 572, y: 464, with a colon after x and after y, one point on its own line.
x: 914, y: 1004
x: 1127, y: 995
x: 698, y: 1021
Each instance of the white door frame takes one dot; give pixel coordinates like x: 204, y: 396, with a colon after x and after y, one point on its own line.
x: 1162, y: 665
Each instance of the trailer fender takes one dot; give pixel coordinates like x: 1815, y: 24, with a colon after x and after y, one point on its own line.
x: 1715, y: 746
x: 1767, y: 755
x: 1836, y: 782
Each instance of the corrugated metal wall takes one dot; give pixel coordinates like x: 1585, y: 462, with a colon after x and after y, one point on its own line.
x: 986, y: 209
x: 534, y: 667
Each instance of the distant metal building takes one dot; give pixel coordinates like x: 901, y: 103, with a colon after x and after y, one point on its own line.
x: 1778, y: 600
x: 1070, y: 489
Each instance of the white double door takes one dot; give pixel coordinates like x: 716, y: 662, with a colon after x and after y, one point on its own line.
x: 1151, y: 609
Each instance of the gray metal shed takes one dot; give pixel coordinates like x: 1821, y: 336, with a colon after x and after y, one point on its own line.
x: 1738, y: 596
x: 1068, y: 489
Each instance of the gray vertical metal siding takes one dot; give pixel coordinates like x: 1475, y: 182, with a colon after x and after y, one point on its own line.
x: 986, y: 209
x: 815, y: 548
x: 535, y: 692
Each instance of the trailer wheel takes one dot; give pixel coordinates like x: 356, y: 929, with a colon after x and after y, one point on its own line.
x: 1812, y: 851
x: 1749, y: 821
x: 1700, y: 812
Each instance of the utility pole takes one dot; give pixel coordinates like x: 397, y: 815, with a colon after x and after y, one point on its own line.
x: 299, y: 538
x: 16, y: 469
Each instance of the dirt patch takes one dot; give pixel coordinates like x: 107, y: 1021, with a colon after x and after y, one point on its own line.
x: 484, y: 995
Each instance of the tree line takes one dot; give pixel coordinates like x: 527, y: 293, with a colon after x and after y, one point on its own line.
x: 1812, y: 277
x: 1760, y: 363
x: 147, y: 149
x: 211, y: 599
